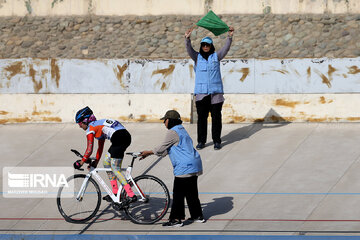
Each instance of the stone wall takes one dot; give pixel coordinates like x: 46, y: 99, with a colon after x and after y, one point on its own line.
x: 161, y: 37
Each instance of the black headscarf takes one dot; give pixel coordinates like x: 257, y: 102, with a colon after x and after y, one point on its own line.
x: 206, y: 55
x: 173, y: 122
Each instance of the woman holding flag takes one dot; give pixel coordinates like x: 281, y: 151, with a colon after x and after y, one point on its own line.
x: 209, y: 93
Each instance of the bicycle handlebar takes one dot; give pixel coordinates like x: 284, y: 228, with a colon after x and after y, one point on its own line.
x: 133, y: 154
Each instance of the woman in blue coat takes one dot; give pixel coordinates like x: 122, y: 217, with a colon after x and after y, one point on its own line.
x: 209, y: 93
x: 187, y: 166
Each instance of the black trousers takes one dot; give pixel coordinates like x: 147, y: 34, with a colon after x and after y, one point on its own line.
x: 203, y: 108
x: 120, y: 140
x: 185, y: 188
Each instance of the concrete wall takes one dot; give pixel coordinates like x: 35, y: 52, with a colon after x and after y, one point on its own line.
x: 165, y: 7
x: 251, y: 76
x: 238, y: 108
x: 51, y: 90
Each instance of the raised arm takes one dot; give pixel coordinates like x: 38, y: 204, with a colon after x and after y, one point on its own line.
x: 190, y: 50
x: 225, y: 49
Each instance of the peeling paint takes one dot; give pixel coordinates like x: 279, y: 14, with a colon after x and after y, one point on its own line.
x: 281, y: 102
x: 163, y: 86
x: 32, y: 73
x: 14, y: 69
x: 191, y: 70
x: 55, y: 72
x: 51, y: 119
x: 119, y: 74
x: 308, y: 71
x: 238, y: 118
x: 14, y: 120
x: 282, y: 71
x: 331, y: 70
x: 353, y: 70
x: 353, y: 118
x: 325, y: 80
x: 165, y: 72
x: 322, y: 100
x: 316, y: 119
x: 35, y: 113
x: 142, y: 118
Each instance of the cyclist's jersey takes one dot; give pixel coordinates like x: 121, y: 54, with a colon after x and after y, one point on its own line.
x: 104, y: 128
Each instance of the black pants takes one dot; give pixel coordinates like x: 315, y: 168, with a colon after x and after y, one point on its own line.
x: 185, y: 188
x: 120, y: 140
x: 203, y: 108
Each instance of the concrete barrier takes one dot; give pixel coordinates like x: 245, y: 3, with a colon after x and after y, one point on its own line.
x: 303, y: 90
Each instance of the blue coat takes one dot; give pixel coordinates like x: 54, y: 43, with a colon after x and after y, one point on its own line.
x: 184, y: 158
x: 207, y: 75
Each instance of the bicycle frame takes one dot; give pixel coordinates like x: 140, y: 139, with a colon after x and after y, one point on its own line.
x: 116, y: 198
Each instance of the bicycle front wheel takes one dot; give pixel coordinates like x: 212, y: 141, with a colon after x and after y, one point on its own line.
x: 156, y: 204
x: 82, y: 209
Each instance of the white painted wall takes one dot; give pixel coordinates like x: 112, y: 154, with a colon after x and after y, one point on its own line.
x: 238, y: 108
x: 181, y: 7
x: 177, y: 76
x: 304, y: 90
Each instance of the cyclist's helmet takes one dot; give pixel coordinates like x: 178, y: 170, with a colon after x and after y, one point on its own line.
x: 84, y: 115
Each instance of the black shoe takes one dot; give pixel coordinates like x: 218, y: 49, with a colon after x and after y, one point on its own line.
x: 200, y: 146
x: 198, y: 219
x: 217, y: 146
x: 173, y: 223
x: 107, y: 198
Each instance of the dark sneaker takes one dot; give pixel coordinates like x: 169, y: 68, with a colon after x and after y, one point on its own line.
x: 107, y: 198
x: 198, y: 220
x: 173, y: 223
x: 217, y: 146
x: 200, y: 146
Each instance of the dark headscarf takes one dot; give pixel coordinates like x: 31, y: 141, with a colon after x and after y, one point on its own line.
x: 173, y: 122
x: 206, y: 55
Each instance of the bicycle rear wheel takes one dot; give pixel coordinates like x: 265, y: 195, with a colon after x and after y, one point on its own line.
x: 79, y: 210
x: 156, y: 204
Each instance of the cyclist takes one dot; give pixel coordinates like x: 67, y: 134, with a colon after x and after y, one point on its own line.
x: 120, y: 139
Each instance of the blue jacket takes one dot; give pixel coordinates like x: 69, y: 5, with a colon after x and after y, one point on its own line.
x: 184, y: 158
x: 207, y: 75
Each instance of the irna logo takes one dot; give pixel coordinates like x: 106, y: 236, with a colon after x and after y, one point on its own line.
x: 36, y: 180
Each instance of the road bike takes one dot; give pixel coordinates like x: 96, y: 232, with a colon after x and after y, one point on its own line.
x: 152, y: 203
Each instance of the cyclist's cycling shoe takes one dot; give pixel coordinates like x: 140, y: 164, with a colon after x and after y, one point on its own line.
x: 129, y: 200
x: 132, y: 199
x: 107, y: 198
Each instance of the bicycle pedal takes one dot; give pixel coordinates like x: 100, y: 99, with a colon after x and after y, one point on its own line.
x: 108, y: 198
x: 117, y: 206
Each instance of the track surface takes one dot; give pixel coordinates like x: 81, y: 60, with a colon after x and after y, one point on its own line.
x: 268, y: 179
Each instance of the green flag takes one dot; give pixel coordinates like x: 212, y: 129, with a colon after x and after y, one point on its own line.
x: 213, y: 23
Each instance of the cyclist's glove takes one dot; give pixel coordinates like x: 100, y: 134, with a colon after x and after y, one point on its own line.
x: 77, y: 164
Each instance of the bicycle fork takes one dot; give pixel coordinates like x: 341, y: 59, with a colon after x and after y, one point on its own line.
x: 84, y: 185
